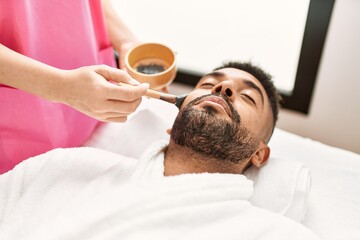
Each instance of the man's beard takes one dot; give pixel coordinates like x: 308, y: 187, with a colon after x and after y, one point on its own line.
x: 210, y: 136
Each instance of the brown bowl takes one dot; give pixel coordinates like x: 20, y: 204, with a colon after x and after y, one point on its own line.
x: 152, y: 63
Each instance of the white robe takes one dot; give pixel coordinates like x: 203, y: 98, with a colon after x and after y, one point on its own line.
x: 86, y: 193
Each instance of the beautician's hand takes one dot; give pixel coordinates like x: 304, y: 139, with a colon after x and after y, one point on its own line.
x: 93, y: 91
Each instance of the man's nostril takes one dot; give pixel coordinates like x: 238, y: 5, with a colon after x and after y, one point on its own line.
x: 228, y: 92
x: 218, y: 89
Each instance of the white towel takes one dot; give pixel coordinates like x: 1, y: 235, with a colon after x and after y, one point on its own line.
x: 151, y: 164
x: 40, y: 186
x: 280, y: 186
x: 91, y: 194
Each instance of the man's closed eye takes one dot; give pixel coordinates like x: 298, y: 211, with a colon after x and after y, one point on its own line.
x: 207, y: 84
x: 249, y: 98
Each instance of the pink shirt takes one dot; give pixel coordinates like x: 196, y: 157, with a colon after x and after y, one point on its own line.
x: 65, y: 34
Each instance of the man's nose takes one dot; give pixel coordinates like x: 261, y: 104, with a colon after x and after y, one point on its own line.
x: 226, y: 88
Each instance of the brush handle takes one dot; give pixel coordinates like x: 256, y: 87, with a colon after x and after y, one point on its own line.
x: 155, y: 94
x: 162, y: 96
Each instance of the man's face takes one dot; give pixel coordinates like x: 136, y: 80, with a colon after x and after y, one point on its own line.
x: 226, y: 116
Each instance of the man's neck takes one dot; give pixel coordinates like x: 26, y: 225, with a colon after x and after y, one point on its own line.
x: 181, y: 160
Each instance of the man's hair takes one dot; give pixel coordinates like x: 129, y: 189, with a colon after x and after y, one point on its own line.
x: 264, y: 78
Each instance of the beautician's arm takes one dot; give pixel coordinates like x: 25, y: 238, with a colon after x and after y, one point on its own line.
x: 121, y: 37
x: 86, y: 89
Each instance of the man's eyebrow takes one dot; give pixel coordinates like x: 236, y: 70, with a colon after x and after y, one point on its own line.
x: 254, y: 86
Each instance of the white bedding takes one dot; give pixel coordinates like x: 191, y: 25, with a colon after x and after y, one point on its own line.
x: 333, y: 207
x: 334, y: 201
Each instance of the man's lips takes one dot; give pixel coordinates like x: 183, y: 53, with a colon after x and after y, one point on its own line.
x: 218, y: 101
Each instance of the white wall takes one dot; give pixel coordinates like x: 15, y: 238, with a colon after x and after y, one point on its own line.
x: 334, y: 116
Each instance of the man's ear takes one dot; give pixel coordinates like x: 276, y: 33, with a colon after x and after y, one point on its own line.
x: 168, y: 131
x: 261, y: 155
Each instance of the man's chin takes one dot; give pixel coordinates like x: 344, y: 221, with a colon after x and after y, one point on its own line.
x: 206, y: 132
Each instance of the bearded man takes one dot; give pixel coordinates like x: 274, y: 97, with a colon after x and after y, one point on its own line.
x: 192, y: 187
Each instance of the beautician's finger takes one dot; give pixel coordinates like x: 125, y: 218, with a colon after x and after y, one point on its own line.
x: 105, y: 115
x: 115, y: 75
x: 116, y: 119
x: 127, y: 93
x: 120, y: 106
